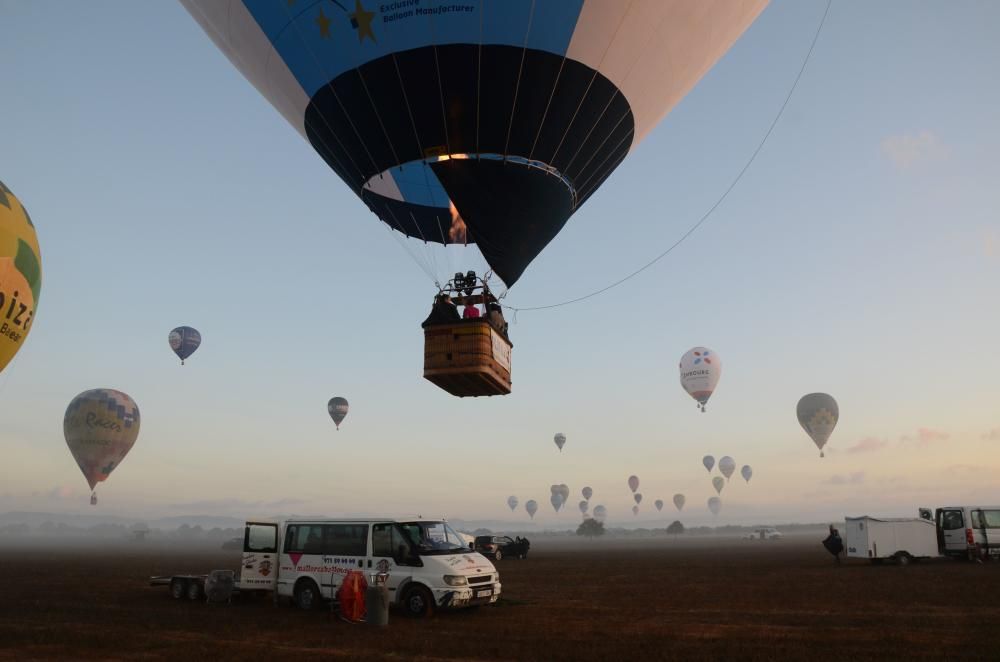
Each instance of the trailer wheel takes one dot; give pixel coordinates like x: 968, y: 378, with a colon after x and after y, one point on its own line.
x: 306, y: 595
x: 417, y: 601
x: 178, y: 588
x: 902, y: 558
x: 194, y: 591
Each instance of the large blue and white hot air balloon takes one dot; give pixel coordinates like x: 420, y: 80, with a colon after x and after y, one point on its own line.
x: 486, y: 122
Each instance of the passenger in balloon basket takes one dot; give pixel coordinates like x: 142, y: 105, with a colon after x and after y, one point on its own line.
x: 444, y: 311
x: 471, y: 311
x: 494, y: 315
x: 833, y: 543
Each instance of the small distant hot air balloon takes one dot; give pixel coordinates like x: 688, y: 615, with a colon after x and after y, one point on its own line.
x: 101, y: 427
x: 600, y: 512
x: 20, y: 274
x: 338, y: 410
x: 709, y: 462
x: 635, y: 510
x: 715, y: 505
x: 564, y: 492
x: 718, y: 483
x: 557, y: 501
x: 727, y: 466
x: 560, y: 440
x: 184, y: 341
x: 583, y: 507
x: 679, y: 501
x: 633, y: 483
x: 512, y: 503
x: 818, y: 415
x: 700, y: 369
x: 746, y: 472
x: 659, y: 504
x: 638, y: 498
x: 587, y: 493
x: 532, y: 507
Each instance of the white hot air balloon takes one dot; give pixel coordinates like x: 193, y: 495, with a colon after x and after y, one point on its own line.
x: 718, y: 483
x: 746, y: 472
x: 532, y: 507
x: 709, y: 462
x: 600, y: 512
x: 587, y: 493
x: 512, y: 503
x: 560, y: 440
x: 583, y: 507
x: 679, y: 501
x: 727, y: 466
x: 633, y: 483
x: 700, y: 369
x: 715, y: 505
x: 659, y: 504
x: 818, y: 414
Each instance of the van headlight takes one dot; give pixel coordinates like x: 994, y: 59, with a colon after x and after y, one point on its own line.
x: 455, y: 580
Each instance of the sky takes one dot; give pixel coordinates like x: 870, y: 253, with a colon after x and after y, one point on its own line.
x: 859, y: 256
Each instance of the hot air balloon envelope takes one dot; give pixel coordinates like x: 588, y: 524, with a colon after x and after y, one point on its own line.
x: 659, y: 504
x: 20, y: 274
x: 718, y: 483
x: 184, y: 340
x: 633, y: 483
x: 638, y: 498
x: 587, y: 493
x: 709, y: 462
x: 746, y: 472
x: 512, y: 503
x: 337, y: 407
x: 818, y: 414
x: 600, y: 512
x: 531, y: 507
x: 715, y: 505
x: 560, y: 440
x: 101, y: 427
x: 727, y: 466
x: 635, y: 510
x: 583, y: 506
x: 679, y: 501
x: 490, y: 123
x: 700, y: 369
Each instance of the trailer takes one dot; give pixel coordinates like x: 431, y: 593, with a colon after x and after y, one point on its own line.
x: 218, y: 584
x: 898, y: 539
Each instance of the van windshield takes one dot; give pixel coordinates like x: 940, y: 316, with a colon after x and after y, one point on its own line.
x: 434, y: 538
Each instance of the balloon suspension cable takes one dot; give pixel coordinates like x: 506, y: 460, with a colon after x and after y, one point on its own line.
x: 718, y: 203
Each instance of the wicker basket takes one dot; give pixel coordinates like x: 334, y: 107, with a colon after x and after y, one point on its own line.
x: 467, y: 358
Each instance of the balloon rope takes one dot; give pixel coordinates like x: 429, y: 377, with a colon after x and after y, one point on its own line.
x: 718, y: 202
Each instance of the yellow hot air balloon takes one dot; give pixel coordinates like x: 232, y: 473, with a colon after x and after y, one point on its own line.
x: 20, y: 274
x: 101, y: 427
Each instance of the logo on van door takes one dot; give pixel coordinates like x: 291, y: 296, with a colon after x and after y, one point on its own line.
x: 383, y: 565
x: 265, y: 568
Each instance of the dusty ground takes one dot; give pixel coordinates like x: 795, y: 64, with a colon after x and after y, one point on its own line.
x: 634, y: 600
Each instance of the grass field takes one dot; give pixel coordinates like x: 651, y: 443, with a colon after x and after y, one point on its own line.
x: 570, y: 600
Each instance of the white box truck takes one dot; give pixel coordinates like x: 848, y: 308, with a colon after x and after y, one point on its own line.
x: 899, y: 539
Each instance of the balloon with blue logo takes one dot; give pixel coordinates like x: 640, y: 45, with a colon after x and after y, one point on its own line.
x: 100, y: 426
x: 184, y: 340
x: 484, y: 122
x: 700, y: 370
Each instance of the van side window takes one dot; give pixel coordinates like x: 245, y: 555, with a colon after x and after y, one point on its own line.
x: 977, y: 519
x: 345, y: 539
x: 952, y: 519
x: 386, y: 539
x: 304, y: 538
x: 992, y: 519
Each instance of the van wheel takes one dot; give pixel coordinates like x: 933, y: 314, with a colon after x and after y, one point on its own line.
x: 418, y: 602
x: 306, y: 596
x: 902, y: 558
x: 194, y: 591
x: 498, y: 555
x: 177, y: 588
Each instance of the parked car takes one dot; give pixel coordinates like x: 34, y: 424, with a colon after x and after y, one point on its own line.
x: 764, y: 533
x: 498, y: 547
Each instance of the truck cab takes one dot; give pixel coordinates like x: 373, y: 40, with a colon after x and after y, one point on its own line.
x: 428, y: 565
x: 970, y: 532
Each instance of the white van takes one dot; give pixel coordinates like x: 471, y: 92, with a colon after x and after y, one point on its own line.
x: 968, y: 531
x: 429, y: 565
